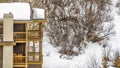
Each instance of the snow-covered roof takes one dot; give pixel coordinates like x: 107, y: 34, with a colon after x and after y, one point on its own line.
x: 38, y: 13
x: 20, y: 11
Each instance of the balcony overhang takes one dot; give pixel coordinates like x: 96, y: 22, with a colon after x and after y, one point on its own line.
x: 8, y: 43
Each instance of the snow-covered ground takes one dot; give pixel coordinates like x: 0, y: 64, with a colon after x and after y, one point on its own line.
x: 51, y: 57
x: 93, y: 52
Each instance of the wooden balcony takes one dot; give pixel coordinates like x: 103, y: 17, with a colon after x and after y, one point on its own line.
x: 19, y: 60
x: 33, y: 35
x: 20, y: 36
x: 34, y: 58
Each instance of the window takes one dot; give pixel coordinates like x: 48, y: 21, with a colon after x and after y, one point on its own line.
x: 33, y: 51
x: 19, y: 27
x: 19, y: 48
x: 33, y: 26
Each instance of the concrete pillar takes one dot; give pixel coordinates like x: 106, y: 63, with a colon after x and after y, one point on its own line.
x: 8, y: 37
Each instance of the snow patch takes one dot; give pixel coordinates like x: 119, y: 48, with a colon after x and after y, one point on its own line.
x: 38, y: 13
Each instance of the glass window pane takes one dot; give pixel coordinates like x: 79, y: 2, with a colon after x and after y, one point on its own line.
x: 30, y: 46
x: 36, y: 57
x: 30, y: 58
x: 19, y: 27
x: 33, y: 26
x: 37, y: 46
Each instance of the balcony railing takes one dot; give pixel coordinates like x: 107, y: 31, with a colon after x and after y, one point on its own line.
x: 19, y: 59
x: 33, y: 34
x: 20, y: 36
x: 34, y: 57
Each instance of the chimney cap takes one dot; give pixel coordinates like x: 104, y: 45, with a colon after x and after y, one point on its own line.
x: 10, y: 15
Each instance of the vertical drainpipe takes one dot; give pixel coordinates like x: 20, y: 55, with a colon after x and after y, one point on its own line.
x: 8, y: 37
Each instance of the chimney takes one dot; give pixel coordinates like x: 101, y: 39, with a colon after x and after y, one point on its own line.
x: 8, y: 37
x: 8, y: 27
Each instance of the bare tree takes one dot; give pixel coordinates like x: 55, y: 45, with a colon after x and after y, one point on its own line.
x: 106, y: 54
x: 73, y: 22
x: 118, y: 6
x: 117, y: 58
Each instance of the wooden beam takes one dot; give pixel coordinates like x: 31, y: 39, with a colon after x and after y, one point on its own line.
x: 43, y: 21
x: 7, y: 43
x: 19, y: 65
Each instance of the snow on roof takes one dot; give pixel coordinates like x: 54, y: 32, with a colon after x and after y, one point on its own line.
x: 38, y: 13
x: 20, y: 11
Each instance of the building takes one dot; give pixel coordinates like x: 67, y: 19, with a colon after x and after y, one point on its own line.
x: 21, y: 35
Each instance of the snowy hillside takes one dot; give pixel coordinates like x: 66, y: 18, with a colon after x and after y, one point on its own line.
x: 89, y: 55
